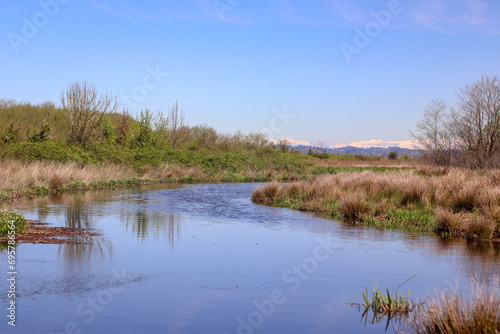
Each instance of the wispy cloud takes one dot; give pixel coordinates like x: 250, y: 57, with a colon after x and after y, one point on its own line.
x: 443, y: 16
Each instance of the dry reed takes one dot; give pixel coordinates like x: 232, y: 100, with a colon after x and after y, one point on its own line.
x: 466, y: 203
x: 454, y: 312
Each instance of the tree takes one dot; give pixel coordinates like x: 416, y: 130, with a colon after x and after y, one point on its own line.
x: 123, y: 126
x: 284, y: 145
x: 145, y: 137
x: 86, y: 109
x: 161, y: 129
x: 256, y: 140
x: 175, y: 125
x: 434, y: 133
x: 476, y: 121
x: 470, y: 130
x: 393, y: 155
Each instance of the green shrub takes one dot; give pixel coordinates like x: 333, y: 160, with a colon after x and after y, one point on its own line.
x: 42, y: 191
x: 11, y: 218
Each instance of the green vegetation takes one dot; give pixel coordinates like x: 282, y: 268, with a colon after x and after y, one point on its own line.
x: 87, y: 144
x: 45, y: 148
x: 390, y: 304
x: 9, y: 219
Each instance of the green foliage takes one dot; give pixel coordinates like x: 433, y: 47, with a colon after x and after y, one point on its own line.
x: 9, y: 219
x: 145, y: 137
x: 11, y: 135
x: 286, y: 202
x: 42, y: 191
x: 42, y: 135
x: 27, y: 117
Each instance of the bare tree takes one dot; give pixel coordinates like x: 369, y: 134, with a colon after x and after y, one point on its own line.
x: 476, y: 121
x: 434, y: 133
x: 175, y: 125
x: 86, y: 110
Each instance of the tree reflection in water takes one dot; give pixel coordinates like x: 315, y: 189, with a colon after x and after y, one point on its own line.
x: 81, y: 215
x: 145, y: 224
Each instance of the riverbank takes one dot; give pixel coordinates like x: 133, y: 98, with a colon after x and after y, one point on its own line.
x: 43, y: 168
x: 44, y: 178
x: 448, y: 202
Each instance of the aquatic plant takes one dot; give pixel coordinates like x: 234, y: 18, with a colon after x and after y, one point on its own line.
x: 389, y: 304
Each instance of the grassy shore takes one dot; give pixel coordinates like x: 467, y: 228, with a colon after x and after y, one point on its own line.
x: 40, y: 168
x: 449, y: 202
x: 42, y: 178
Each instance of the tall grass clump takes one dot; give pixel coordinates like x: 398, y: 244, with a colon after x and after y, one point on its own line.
x: 450, y: 223
x: 480, y: 227
x: 452, y: 311
x: 267, y: 193
x: 354, y: 207
x: 11, y: 218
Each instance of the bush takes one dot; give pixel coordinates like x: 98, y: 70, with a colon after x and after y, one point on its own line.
x: 393, y: 155
x: 8, y: 218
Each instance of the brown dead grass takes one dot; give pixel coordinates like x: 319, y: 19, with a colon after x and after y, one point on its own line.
x: 18, y: 175
x: 452, y: 311
x: 466, y: 203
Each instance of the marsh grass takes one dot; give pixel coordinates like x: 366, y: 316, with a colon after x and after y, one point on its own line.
x: 450, y: 202
x: 453, y: 311
x: 40, y: 178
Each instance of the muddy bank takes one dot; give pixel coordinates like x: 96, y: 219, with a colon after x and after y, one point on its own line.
x: 37, y: 232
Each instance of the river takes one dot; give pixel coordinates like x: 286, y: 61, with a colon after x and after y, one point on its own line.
x: 205, y: 259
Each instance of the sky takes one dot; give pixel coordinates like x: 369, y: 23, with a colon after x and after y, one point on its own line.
x: 321, y: 71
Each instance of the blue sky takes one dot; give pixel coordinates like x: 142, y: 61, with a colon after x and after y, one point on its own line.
x: 338, y: 70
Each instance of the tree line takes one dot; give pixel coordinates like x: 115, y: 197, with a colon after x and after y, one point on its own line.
x: 467, y: 133
x: 87, y: 116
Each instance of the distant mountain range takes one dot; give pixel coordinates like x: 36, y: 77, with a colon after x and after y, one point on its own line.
x: 368, y: 147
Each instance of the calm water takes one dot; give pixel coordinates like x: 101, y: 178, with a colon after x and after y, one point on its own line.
x: 204, y: 259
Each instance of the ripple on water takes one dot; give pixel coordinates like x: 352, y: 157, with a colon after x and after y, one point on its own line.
x: 34, y: 286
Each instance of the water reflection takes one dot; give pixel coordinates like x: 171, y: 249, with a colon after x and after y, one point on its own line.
x: 145, y: 224
x: 152, y: 212
x: 241, y: 253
